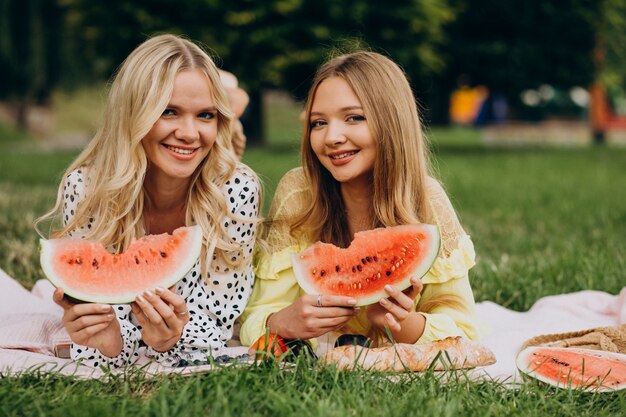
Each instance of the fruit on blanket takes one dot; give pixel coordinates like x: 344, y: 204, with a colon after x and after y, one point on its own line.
x: 269, y: 345
x: 88, y: 272
x: 574, y: 368
x: 375, y: 258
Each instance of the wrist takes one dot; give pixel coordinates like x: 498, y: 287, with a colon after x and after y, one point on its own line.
x: 412, y: 328
x: 112, y: 348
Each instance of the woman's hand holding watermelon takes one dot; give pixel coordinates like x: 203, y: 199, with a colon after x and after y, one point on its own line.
x: 312, y: 316
x: 162, y: 315
x: 398, y: 314
x: 91, y: 325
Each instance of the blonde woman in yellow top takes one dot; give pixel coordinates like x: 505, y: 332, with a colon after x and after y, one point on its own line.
x: 364, y: 165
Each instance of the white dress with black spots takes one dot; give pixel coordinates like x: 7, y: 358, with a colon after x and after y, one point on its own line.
x: 213, y: 303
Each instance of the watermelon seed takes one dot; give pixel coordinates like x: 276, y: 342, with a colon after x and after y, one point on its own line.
x: 393, y: 268
x: 368, y: 259
x: 353, y: 269
x: 79, y: 261
x: 375, y: 258
x: 336, y: 268
x: 367, y: 280
x: 163, y: 255
x: 388, y: 273
x: 363, y: 261
x: 322, y: 273
x: 378, y: 275
x: 314, y: 271
x: 359, y: 268
x: 94, y: 263
x: 136, y: 260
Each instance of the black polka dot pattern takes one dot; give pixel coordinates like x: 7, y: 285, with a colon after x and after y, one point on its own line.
x: 214, y: 303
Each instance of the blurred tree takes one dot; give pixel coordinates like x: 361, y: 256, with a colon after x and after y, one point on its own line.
x: 267, y: 44
x: 29, y: 58
x: 510, y: 46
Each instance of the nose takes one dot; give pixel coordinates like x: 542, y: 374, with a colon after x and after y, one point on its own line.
x: 187, y: 130
x: 335, y: 134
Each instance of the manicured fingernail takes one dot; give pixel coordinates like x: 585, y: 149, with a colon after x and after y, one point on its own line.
x: 110, y: 316
x: 388, y: 288
x: 105, y: 308
x: 158, y: 290
x: 149, y: 293
x: 357, y: 309
x: 383, y: 301
x: 352, y: 301
x: 141, y: 299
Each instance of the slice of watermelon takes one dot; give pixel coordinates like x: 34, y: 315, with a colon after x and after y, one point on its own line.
x: 374, y: 259
x: 574, y: 368
x: 88, y: 272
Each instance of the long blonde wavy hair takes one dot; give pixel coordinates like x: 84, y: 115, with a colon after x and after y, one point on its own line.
x: 117, y: 163
x: 401, y: 166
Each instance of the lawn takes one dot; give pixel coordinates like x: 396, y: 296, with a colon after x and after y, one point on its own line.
x: 544, y: 221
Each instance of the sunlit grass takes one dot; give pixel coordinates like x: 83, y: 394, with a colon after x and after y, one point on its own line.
x: 544, y: 221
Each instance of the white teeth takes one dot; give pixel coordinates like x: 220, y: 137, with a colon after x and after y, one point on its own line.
x: 343, y: 155
x: 180, y: 151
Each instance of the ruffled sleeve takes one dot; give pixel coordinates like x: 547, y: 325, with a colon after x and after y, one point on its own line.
x: 455, y: 265
x: 447, y: 301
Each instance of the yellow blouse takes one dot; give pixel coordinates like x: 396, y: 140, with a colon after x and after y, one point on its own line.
x: 276, y: 286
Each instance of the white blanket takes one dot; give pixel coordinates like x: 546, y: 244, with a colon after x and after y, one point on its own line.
x: 506, y: 330
x: 30, y: 327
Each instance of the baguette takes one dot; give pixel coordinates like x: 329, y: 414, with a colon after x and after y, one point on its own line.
x: 461, y: 353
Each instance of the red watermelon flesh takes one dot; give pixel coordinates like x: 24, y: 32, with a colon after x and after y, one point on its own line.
x: 574, y: 368
x: 88, y: 272
x: 375, y: 258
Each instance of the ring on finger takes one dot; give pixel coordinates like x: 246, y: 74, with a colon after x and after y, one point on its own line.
x: 319, y: 300
x: 182, y: 313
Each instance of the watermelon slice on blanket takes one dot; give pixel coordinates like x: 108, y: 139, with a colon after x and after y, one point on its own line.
x: 88, y: 272
x: 375, y: 258
x: 574, y: 368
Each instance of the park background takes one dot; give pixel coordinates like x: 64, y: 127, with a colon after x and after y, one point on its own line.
x: 540, y: 189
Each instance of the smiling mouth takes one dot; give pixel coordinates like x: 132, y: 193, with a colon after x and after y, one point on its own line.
x: 179, y: 150
x: 343, y: 155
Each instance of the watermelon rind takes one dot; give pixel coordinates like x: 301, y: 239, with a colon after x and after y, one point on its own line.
x: 429, y: 257
x: 189, y: 253
x: 528, y: 373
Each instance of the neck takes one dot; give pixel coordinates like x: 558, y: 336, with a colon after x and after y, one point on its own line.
x: 358, y: 199
x: 165, y: 206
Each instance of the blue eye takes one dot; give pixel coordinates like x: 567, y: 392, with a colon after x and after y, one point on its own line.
x: 356, y: 118
x: 169, y: 112
x: 207, y: 115
x: 316, y: 123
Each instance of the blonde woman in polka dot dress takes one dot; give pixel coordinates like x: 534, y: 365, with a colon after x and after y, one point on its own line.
x: 163, y: 159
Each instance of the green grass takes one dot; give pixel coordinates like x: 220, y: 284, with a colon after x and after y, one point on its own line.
x: 544, y: 221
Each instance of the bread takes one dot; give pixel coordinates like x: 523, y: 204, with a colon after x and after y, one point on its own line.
x: 456, y: 353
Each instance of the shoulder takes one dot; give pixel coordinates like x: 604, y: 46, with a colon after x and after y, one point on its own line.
x: 292, y: 194
x: 74, y: 184
x: 241, y: 188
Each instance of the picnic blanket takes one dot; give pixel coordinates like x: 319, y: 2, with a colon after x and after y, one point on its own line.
x: 557, y: 317
x: 30, y: 329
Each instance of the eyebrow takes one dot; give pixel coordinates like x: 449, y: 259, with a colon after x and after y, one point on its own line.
x: 177, y: 107
x: 343, y: 109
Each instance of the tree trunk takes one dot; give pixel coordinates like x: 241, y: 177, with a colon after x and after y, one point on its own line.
x: 253, y: 119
